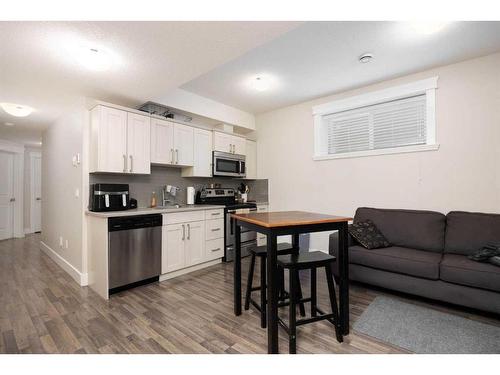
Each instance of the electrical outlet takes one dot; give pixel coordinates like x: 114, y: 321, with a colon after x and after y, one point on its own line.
x: 67, y: 244
x: 60, y: 241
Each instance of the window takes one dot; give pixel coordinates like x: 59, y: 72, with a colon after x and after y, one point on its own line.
x: 399, y: 119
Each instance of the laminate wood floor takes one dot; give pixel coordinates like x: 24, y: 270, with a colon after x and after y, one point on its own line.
x: 42, y: 310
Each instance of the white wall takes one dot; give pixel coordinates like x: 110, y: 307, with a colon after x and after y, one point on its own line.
x: 464, y: 174
x: 187, y: 101
x: 62, y: 212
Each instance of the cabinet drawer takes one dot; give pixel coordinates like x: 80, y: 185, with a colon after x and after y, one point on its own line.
x: 214, y: 214
x: 183, y: 217
x: 214, y: 249
x: 214, y: 229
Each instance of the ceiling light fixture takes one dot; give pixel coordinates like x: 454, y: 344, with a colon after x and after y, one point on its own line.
x: 8, y: 123
x: 428, y: 27
x: 17, y: 110
x: 366, y: 58
x: 260, y: 84
x: 93, y: 58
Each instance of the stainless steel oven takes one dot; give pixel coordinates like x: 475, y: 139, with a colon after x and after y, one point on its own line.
x: 228, y: 165
x: 248, y: 237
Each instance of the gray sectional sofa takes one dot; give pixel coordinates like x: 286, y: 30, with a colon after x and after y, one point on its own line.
x: 428, y: 255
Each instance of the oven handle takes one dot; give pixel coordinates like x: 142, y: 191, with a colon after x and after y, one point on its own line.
x: 231, y: 219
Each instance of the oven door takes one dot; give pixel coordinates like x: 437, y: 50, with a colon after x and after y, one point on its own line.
x: 230, y: 165
x: 247, y: 236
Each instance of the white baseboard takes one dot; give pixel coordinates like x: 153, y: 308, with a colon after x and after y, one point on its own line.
x: 80, y: 278
x: 171, y: 275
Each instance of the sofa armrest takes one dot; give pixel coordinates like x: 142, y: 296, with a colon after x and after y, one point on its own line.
x: 333, y: 248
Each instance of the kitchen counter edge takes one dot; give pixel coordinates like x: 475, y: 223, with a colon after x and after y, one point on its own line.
x: 149, y: 211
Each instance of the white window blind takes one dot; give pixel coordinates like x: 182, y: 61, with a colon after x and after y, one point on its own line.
x: 391, y: 124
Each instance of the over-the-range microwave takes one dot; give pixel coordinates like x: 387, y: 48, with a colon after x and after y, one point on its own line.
x: 228, y: 165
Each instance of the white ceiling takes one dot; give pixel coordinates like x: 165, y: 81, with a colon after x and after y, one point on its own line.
x: 320, y: 58
x: 154, y: 57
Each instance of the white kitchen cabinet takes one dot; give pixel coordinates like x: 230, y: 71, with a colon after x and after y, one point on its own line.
x: 202, y: 155
x: 229, y: 143
x: 194, y: 249
x: 138, y: 143
x: 251, y: 160
x: 119, y: 141
x: 162, y: 142
x: 172, y: 248
x: 171, y: 143
x: 262, y: 238
x: 214, y: 229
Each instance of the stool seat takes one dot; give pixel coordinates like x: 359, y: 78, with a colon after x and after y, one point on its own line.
x: 305, y: 260
x: 282, y: 248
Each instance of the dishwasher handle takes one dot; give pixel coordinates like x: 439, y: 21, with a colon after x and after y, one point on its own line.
x: 134, y: 222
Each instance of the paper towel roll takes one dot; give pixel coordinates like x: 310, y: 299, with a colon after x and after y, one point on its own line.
x: 190, y: 195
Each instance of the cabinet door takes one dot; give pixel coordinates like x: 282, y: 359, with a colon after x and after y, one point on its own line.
x: 139, y: 140
x: 239, y: 145
x: 111, y: 131
x: 223, y: 142
x: 183, y: 144
x: 202, y: 153
x: 251, y: 160
x: 195, y: 243
x: 172, y: 247
x: 162, y: 142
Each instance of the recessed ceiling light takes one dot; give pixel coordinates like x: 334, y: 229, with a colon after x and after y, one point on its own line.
x: 428, y: 27
x: 8, y: 123
x: 17, y: 110
x: 92, y: 57
x: 260, y: 83
x: 365, y: 58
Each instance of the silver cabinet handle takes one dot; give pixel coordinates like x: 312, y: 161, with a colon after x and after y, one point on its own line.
x: 171, y: 156
x: 215, y: 213
x: 189, y: 231
x: 183, y: 232
x: 124, y: 163
x: 215, y: 249
x: 215, y: 229
x: 38, y: 199
x: 131, y: 163
x: 12, y: 199
x: 230, y: 148
x: 177, y: 156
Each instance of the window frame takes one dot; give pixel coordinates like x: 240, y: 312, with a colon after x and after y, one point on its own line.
x: 426, y: 86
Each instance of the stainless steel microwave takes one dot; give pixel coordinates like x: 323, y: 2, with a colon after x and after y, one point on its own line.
x: 228, y: 165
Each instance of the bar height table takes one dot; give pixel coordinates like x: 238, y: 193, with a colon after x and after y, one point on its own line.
x: 274, y: 224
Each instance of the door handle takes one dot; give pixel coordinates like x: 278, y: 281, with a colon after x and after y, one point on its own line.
x: 177, y: 156
x: 131, y: 163
x: 189, y: 231
x: 124, y: 163
x: 183, y: 232
x: 171, y: 156
x: 39, y: 199
x: 12, y: 199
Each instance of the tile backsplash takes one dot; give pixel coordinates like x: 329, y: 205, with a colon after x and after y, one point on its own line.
x: 141, y: 186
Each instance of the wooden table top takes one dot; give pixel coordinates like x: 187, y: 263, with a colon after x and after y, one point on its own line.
x: 288, y: 218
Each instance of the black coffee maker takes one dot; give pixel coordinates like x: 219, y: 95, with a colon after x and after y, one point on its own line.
x: 109, y: 197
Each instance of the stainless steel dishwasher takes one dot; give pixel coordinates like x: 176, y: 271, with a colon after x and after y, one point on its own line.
x: 134, y: 251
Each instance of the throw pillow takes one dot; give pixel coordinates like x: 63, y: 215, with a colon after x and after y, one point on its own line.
x: 484, y: 254
x: 495, y: 261
x: 368, y: 235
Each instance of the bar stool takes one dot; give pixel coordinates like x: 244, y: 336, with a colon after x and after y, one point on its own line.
x: 311, y: 260
x: 261, y: 252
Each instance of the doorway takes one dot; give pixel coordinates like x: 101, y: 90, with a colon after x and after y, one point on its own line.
x: 36, y: 191
x: 7, y: 199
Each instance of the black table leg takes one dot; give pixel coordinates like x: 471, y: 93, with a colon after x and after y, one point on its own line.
x: 343, y: 259
x: 237, y: 268
x: 295, y: 241
x: 272, y: 295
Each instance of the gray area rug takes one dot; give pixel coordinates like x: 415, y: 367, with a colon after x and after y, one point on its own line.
x: 423, y: 330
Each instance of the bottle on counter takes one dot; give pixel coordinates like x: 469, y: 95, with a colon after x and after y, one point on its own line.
x: 153, y: 199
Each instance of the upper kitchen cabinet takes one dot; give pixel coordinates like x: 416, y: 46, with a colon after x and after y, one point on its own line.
x: 202, y: 163
x: 119, y: 141
x: 251, y: 159
x: 229, y: 143
x: 171, y: 143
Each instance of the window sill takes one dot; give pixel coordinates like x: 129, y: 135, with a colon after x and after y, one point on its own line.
x: 386, y: 151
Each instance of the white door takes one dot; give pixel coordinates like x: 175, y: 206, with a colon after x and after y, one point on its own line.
x: 251, y: 159
x: 112, y: 141
x: 223, y: 142
x: 138, y: 144
x: 6, y: 195
x: 239, y: 145
x: 202, y: 153
x: 184, y: 144
x: 172, y: 254
x: 36, y: 193
x: 195, y: 242
x: 162, y: 142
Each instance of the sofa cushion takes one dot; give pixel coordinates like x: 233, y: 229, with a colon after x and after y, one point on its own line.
x: 422, y: 230
x: 398, y: 259
x: 458, y: 269
x: 467, y: 232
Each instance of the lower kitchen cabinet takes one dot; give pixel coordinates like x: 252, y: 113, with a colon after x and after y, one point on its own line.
x: 194, y: 249
x: 172, y: 250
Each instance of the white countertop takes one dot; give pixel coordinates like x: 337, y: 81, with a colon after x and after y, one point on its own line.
x: 149, y: 210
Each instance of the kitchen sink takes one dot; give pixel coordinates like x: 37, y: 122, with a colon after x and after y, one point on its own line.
x: 170, y: 206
